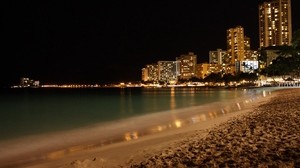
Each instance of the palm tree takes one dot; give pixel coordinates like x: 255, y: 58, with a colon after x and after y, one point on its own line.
x: 296, y: 40
x: 288, y: 61
x: 213, y: 78
x: 227, y: 78
x: 296, y: 52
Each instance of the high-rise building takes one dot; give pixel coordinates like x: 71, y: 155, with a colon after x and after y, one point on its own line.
x: 236, y: 45
x: 168, y: 71
x: 205, y: 69
x: 145, y: 74
x: 202, y: 70
x: 217, y: 57
x: 188, y: 63
x: 275, y: 23
x: 250, y: 55
x: 246, y: 43
x: 150, y: 73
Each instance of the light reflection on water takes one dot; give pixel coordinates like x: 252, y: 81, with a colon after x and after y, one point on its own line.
x: 172, y: 99
x: 175, y: 118
x: 173, y: 124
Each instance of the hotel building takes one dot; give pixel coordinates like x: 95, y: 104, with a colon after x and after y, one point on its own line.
x: 150, y: 73
x: 275, y: 23
x: 237, y: 45
x: 217, y: 57
x: 188, y: 63
x: 168, y: 71
x: 205, y: 69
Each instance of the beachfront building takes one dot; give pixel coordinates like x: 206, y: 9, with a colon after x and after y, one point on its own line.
x: 247, y: 66
x: 168, y: 71
x: 188, y: 63
x: 150, y: 73
x: 275, y: 23
x: 27, y: 82
x: 236, y: 46
x: 202, y: 70
x: 205, y: 69
x: 270, y: 53
x: 251, y: 55
x: 246, y: 43
x: 145, y: 74
x: 217, y: 57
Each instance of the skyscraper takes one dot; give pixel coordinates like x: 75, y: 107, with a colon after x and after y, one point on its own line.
x: 235, y: 46
x: 168, y: 71
x: 150, y: 73
x: 275, y: 23
x: 188, y: 63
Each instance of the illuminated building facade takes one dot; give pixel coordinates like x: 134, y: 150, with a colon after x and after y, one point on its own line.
x: 247, y: 43
x: 205, y: 69
x: 247, y: 66
x: 150, y: 73
x: 168, y: 71
x: 26, y: 82
x: 236, y: 44
x: 188, y: 63
x: 202, y: 70
x: 145, y: 74
x: 198, y: 71
x: 271, y: 53
x: 275, y: 23
x: 217, y: 57
x: 251, y: 55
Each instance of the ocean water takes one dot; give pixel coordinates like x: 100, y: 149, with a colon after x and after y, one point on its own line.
x: 37, y: 111
x: 43, y: 124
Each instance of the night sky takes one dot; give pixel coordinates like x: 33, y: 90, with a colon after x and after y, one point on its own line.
x: 109, y: 40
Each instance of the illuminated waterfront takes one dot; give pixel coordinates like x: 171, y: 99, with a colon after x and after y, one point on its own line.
x: 63, y: 121
x: 34, y: 111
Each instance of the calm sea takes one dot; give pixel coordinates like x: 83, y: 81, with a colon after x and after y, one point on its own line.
x: 34, y: 111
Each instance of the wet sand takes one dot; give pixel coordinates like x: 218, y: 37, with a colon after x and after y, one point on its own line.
x: 268, y: 136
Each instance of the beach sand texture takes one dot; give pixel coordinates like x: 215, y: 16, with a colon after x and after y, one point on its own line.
x: 265, y: 134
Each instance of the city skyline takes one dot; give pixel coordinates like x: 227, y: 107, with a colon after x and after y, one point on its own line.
x: 112, y: 41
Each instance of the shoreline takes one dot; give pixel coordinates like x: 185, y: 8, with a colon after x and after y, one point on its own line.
x: 76, y: 115
x: 267, y: 136
x: 121, y: 153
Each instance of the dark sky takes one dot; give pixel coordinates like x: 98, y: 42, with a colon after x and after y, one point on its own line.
x: 110, y: 40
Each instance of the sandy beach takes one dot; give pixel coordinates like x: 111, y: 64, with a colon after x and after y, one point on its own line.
x: 265, y: 133
x: 269, y: 135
